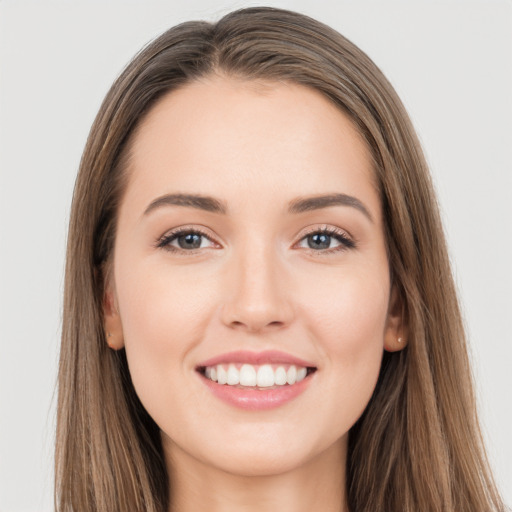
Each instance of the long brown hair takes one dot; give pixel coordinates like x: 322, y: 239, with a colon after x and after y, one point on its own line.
x: 417, y: 447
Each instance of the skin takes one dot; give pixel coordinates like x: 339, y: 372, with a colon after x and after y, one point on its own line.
x: 254, y: 284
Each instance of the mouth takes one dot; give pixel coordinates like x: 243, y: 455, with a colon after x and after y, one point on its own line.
x: 251, y: 376
x: 256, y: 381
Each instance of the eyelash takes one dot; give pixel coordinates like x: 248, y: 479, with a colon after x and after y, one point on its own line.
x: 345, y: 241
x: 165, y: 241
x: 339, y: 235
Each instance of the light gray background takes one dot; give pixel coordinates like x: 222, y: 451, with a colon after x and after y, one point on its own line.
x: 451, y: 62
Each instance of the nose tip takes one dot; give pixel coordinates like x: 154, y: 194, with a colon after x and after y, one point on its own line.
x: 259, y: 300
x: 255, y: 321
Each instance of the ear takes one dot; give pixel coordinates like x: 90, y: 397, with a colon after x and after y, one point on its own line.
x: 112, y: 320
x: 397, y: 332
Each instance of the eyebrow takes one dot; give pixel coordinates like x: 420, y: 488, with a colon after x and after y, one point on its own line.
x: 300, y: 205
x: 317, y: 202
x: 206, y: 203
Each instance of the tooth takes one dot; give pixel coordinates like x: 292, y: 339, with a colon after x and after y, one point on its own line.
x: 222, y: 375
x: 280, y: 377
x: 291, y: 375
x: 250, y: 376
x: 247, y: 375
x: 301, y: 373
x: 265, y: 376
x: 233, y: 375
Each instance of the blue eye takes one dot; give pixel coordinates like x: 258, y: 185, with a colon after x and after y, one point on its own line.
x: 326, y: 240
x: 319, y: 241
x: 189, y: 241
x: 186, y: 240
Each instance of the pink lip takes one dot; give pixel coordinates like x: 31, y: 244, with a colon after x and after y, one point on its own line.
x: 256, y: 358
x: 256, y: 399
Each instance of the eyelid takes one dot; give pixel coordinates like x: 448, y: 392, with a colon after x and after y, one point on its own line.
x: 324, y: 228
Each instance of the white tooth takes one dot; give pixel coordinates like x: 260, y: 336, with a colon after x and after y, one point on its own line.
x: 280, y: 377
x: 291, y: 375
x: 233, y: 375
x: 208, y: 372
x: 222, y: 375
x: 301, y: 373
x: 247, y: 375
x: 265, y: 376
x: 213, y: 374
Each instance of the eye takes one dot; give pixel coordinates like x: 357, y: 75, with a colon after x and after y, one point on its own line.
x: 326, y: 240
x: 185, y: 239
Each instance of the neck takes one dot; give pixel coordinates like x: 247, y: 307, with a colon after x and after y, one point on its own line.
x: 318, y: 484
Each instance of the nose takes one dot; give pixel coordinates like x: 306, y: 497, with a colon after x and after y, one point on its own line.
x: 257, y: 298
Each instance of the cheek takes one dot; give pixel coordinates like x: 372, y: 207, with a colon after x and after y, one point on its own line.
x: 163, y: 316
x: 160, y: 305
x: 348, y: 320
x: 348, y: 307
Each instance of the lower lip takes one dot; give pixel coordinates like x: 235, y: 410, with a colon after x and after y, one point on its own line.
x: 257, y: 399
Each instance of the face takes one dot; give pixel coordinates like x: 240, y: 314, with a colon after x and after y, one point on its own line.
x: 251, y: 284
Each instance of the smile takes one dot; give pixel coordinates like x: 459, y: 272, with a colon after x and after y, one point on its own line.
x: 256, y: 381
x: 248, y: 375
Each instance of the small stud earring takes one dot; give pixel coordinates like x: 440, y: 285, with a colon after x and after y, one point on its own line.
x: 399, y: 340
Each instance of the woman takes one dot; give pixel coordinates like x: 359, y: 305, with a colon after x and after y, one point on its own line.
x: 259, y: 310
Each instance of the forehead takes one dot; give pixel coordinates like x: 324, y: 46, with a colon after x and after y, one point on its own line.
x: 266, y: 137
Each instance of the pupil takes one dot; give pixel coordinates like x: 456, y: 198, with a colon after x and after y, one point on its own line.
x: 319, y: 241
x: 190, y: 241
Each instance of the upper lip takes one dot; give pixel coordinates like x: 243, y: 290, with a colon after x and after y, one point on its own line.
x: 256, y: 358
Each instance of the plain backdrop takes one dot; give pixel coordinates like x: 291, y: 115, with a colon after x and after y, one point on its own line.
x: 451, y: 62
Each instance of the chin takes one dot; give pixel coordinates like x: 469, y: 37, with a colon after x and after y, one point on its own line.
x: 270, y: 453
x: 261, y: 464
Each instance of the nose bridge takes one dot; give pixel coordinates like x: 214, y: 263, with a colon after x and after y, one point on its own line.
x: 258, y: 298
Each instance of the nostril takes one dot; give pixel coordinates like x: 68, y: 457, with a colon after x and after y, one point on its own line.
x: 255, y: 312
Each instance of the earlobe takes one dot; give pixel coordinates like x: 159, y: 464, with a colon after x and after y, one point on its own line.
x: 393, y: 343
x: 397, y: 332
x: 112, y: 321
